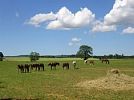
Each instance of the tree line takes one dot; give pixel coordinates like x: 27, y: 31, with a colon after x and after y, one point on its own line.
x: 84, y: 53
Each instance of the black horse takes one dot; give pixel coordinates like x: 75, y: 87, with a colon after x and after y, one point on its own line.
x: 24, y: 68
x: 105, y: 60
x: 53, y: 65
x: 65, y: 65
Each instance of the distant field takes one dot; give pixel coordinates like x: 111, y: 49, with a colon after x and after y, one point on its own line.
x: 41, y: 59
x: 60, y: 84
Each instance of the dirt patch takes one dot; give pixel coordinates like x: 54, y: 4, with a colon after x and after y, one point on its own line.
x: 114, y: 80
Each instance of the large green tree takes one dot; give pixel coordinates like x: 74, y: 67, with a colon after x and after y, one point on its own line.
x: 34, y: 56
x: 1, y: 56
x: 85, y: 52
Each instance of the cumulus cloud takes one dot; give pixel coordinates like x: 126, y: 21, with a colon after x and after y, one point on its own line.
x: 64, y: 19
x: 40, y: 18
x: 129, y: 30
x: 121, y: 13
x: 102, y: 27
x: 74, y: 41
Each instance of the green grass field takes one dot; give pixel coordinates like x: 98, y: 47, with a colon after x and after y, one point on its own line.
x: 59, y: 84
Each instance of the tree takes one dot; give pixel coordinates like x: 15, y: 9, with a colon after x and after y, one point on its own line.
x: 85, y: 52
x: 34, y: 56
x: 1, y: 56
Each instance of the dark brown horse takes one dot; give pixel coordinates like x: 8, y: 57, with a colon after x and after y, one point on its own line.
x: 105, y: 60
x: 91, y: 62
x: 24, y: 68
x: 41, y: 66
x: 53, y: 65
x: 37, y: 67
x: 20, y: 68
x: 65, y: 65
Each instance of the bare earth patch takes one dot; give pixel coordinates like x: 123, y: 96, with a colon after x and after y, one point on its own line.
x: 114, y: 80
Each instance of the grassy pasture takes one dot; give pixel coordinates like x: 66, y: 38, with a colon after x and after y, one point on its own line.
x: 59, y: 84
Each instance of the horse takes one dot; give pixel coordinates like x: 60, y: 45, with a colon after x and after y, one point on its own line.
x: 24, y: 68
x: 85, y: 61
x: 91, y: 62
x: 105, y: 60
x: 41, y: 66
x: 74, y: 64
x: 21, y: 68
x: 65, y: 65
x: 54, y: 64
x: 35, y: 66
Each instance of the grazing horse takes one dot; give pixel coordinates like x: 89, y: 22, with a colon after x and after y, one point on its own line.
x: 37, y: 67
x: 91, y: 62
x: 74, y: 64
x: 85, y: 61
x: 27, y: 68
x: 21, y: 68
x: 105, y: 60
x: 24, y: 68
x: 41, y: 66
x: 54, y: 64
x: 65, y: 65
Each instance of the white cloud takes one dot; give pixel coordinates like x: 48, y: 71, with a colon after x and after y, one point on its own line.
x: 129, y: 30
x: 64, y: 19
x: 101, y: 27
x: 74, y: 41
x: 40, y: 18
x: 74, y: 20
x: 55, y: 25
x: 121, y: 13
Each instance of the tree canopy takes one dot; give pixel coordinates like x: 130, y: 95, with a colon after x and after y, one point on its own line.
x: 34, y: 56
x: 1, y: 56
x: 85, y: 52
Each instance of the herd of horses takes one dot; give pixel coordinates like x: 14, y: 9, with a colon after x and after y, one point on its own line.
x: 26, y: 68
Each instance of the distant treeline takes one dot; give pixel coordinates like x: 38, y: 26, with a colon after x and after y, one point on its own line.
x: 110, y: 56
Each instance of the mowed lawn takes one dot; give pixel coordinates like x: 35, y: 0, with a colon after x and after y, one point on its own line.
x: 60, y: 84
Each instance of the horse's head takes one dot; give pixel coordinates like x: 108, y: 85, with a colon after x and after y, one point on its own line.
x: 58, y: 64
x: 49, y: 64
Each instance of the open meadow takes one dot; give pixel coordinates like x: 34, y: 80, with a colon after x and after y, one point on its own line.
x: 60, y: 84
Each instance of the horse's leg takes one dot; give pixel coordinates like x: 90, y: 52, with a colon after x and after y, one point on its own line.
x: 108, y: 61
x: 43, y: 68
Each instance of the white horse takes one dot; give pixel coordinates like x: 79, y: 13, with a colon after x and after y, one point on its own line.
x: 74, y: 64
x: 85, y: 61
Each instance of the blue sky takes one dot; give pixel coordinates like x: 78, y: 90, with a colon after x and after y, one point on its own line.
x: 53, y: 27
